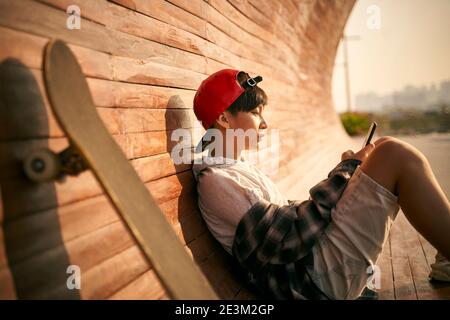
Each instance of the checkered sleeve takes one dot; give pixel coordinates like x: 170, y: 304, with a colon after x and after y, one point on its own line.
x: 326, y: 193
x: 273, y: 234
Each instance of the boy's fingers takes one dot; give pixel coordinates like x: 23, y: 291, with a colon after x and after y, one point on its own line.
x: 347, y: 154
x: 370, y: 147
x: 364, y: 152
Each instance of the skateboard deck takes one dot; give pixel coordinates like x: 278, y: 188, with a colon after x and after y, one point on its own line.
x: 74, y: 109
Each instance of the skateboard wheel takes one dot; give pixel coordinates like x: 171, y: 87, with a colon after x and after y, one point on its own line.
x: 42, y: 165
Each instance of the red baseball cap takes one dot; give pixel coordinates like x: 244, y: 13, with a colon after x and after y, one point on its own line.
x: 215, y: 95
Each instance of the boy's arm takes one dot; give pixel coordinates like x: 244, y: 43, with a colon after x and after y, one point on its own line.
x: 327, y: 192
x: 269, y: 233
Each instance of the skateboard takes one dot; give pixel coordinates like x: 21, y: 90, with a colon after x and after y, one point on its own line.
x: 92, y: 147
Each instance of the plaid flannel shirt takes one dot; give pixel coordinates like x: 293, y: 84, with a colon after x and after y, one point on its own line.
x: 273, y: 242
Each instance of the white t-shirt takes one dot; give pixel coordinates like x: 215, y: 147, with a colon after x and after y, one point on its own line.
x: 227, y: 189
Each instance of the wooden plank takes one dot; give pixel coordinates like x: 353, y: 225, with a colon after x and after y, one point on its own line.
x: 260, y: 37
x: 226, y: 281
x: 156, y: 153
x: 220, y: 21
x: 253, y: 14
x: 212, y: 66
x: 119, y: 18
x: 127, y: 95
x: 94, y: 63
x: 29, y: 107
x: 293, y: 21
x: 91, y: 249
x: 202, y: 47
x: 56, y: 129
x: 84, y: 186
x: 13, y: 44
x: 77, y: 219
x: 225, y: 42
x: 146, y: 286
x: 117, y: 120
x: 98, y: 64
x: 115, y: 273
x: 430, y: 251
x: 86, y: 251
x: 190, y: 228
x: 119, y: 274
x: 34, y: 238
x: 227, y: 10
x: 420, y: 268
x: 202, y: 246
x: 139, y: 25
x: 239, y: 37
x: 171, y: 14
x: 403, y: 279
x: 155, y: 73
x: 20, y: 15
x: 232, y: 47
x: 280, y: 25
x: 196, y: 7
x: 78, y: 188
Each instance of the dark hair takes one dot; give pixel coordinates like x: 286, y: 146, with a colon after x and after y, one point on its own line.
x: 251, y: 98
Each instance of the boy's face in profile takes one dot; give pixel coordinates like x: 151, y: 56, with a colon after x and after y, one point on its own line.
x: 252, y: 122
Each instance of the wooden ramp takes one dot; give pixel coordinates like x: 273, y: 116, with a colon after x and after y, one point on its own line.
x: 405, y: 265
x: 143, y: 61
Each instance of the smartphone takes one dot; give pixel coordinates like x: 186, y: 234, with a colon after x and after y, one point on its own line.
x: 370, y: 134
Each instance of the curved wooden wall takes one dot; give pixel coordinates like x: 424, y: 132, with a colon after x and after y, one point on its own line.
x: 143, y: 61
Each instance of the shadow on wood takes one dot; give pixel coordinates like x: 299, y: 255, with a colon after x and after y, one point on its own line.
x: 35, y: 251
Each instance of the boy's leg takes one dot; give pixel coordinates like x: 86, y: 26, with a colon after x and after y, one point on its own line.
x: 405, y: 171
x: 347, y: 252
x: 387, y: 179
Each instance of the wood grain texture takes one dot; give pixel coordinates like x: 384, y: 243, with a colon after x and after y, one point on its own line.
x: 143, y: 61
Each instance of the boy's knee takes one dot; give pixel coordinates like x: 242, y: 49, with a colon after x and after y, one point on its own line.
x: 400, y: 151
x: 384, y: 139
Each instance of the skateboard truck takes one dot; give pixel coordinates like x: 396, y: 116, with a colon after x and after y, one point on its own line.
x: 44, y: 165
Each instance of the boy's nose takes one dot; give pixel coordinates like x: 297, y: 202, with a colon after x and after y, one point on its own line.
x: 263, y: 124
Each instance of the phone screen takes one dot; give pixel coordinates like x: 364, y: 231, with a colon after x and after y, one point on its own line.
x: 370, y: 134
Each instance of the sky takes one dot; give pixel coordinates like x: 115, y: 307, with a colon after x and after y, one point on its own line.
x: 401, y: 42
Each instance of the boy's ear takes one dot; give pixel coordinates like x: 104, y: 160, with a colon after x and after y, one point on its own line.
x: 223, y: 120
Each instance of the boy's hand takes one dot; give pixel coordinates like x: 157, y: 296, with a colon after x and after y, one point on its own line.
x: 360, y: 155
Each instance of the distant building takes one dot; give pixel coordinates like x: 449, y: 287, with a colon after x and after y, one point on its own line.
x: 410, y: 97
